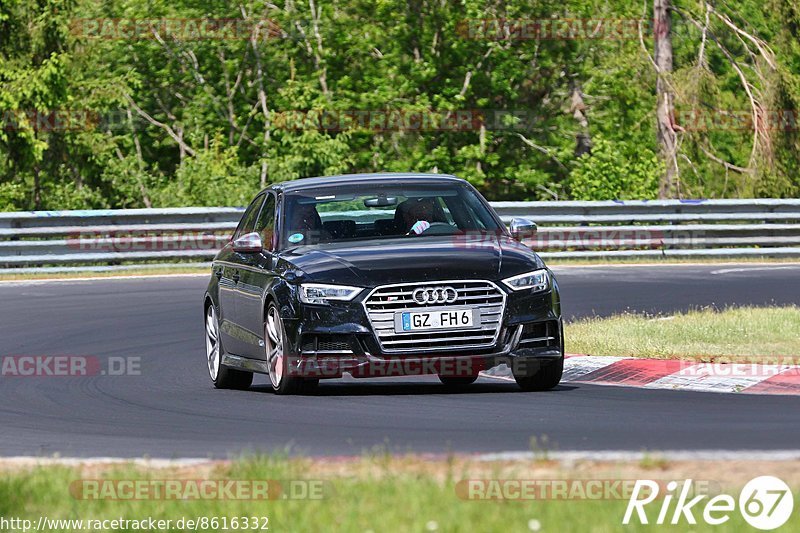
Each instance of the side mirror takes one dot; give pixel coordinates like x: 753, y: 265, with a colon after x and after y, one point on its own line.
x: 522, y: 228
x: 248, y: 243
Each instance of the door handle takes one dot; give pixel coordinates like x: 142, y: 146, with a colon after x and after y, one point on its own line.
x: 235, y: 277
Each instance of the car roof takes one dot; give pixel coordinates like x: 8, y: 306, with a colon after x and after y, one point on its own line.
x: 349, y: 179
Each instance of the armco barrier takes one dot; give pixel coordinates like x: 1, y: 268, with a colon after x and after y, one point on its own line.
x: 647, y: 229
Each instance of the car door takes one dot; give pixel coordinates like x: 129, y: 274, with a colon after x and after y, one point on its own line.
x: 256, y: 276
x: 229, y: 269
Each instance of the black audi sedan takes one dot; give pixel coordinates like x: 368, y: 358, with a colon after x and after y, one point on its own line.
x: 379, y: 275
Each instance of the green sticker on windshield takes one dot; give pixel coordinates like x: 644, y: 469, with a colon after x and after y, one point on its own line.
x: 295, y: 237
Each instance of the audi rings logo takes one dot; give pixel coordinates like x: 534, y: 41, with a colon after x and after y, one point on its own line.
x: 435, y: 295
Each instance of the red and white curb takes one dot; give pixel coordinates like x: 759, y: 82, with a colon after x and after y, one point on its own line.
x: 745, y: 378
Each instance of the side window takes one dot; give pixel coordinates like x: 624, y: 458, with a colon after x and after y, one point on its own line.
x: 248, y: 221
x: 475, y: 218
x: 266, y: 221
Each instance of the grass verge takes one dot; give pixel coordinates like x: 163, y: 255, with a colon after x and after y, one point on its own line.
x: 746, y: 334
x: 379, y: 493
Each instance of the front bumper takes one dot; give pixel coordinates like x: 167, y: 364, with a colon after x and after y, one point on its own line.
x: 330, y: 340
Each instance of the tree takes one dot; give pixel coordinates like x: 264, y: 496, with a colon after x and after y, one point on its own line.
x: 665, y: 109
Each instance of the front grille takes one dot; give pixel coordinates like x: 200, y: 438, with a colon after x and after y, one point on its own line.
x: 384, y: 302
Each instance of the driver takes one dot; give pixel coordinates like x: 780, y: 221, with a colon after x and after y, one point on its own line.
x: 305, y: 218
x: 418, y: 214
x: 305, y: 224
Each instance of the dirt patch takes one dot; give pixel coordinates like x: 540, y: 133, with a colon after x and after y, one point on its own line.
x: 444, y: 469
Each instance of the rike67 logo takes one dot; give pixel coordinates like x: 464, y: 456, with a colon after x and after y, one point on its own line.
x: 765, y: 503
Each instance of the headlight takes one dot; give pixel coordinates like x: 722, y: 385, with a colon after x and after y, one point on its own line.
x: 538, y: 281
x: 317, y: 293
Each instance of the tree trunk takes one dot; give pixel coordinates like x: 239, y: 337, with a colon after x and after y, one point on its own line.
x: 583, y: 141
x: 662, y: 33
x: 37, y: 188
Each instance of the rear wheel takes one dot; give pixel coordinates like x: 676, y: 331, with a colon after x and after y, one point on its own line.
x: 277, y: 358
x: 222, y: 376
x: 452, y: 381
x: 545, y: 378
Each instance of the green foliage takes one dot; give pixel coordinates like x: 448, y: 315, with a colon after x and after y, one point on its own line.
x: 59, y: 195
x: 187, y: 121
x: 129, y: 182
x: 308, y: 153
x: 213, y: 177
x: 12, y: 195
x: 615, y: 171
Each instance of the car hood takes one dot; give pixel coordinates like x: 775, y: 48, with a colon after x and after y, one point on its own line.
x: 372, y: 263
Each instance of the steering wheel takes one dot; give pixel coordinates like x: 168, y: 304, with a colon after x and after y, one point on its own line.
x: 434, y: 229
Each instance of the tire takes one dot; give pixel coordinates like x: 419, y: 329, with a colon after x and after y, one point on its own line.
x: 545, y: 378
x: 452, y: 381
x: 277, y: 360
x: 222, y: 376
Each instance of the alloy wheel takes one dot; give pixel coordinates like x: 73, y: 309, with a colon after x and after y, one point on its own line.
x: 212, y: 342
x: 274, y: 346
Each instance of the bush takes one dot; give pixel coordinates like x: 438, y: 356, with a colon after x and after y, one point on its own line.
x: 12, y: 196
x: 213, y: 177
x: 615, y: 171
x: 66, y: 195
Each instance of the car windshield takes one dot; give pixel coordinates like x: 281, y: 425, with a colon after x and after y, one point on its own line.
x: 376, y: 211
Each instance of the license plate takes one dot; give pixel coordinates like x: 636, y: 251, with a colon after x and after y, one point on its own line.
x: 448, y: 318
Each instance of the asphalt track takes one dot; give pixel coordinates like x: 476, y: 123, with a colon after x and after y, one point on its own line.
x: 171, y: 410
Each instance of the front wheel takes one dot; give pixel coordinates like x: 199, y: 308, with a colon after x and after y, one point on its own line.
x: 278, y: 362
x: 545, y: 378
x: 222, y: 376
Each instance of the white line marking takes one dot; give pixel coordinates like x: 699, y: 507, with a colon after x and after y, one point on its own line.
x: 78, y: 461
x: 755, y: 269
x: 671, y: 455
x: 566, y: 456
